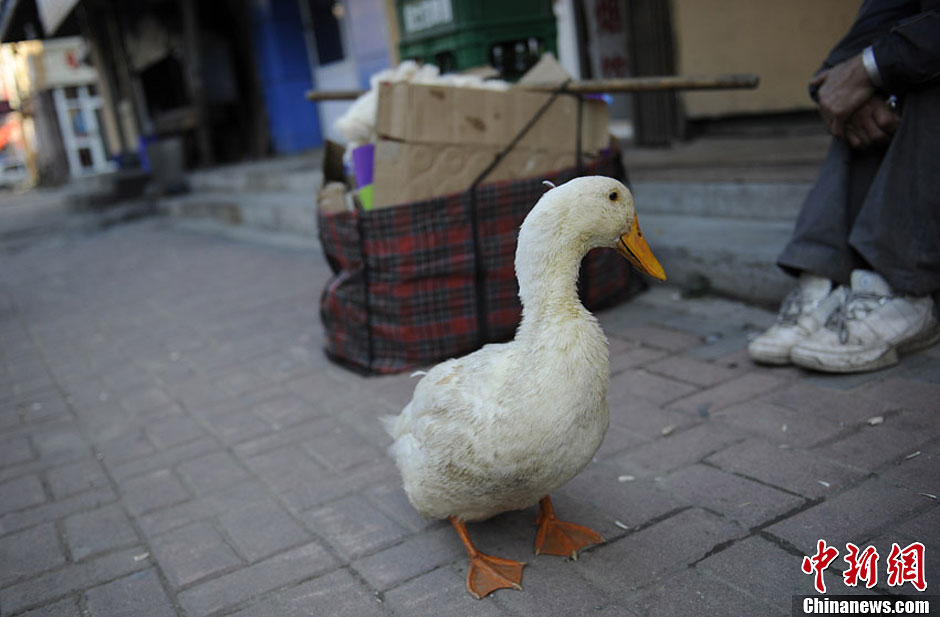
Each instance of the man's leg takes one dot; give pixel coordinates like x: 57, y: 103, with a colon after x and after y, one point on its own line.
x: 819, y: 252
x: 820, y: 242
x: 889, y: 309
x: 897, y: 230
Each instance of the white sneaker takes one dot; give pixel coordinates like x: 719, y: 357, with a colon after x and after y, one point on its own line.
x: 870, y: 329
x: 803, y: 312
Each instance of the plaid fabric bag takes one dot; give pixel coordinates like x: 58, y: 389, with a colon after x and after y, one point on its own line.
x: 413, y: 285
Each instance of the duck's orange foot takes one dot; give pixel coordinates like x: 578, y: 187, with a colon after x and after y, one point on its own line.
x: 488, y: 573
x: 556, y: 537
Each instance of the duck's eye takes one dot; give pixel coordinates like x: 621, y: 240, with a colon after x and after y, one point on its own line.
x: 614, y: 196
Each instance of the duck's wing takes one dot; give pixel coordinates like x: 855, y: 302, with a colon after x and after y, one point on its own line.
x: 458, y: 392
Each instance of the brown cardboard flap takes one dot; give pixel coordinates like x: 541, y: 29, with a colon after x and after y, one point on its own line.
x: 432, y: 114
x: 407, y: 172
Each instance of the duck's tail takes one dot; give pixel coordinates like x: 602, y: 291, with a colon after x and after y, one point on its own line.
x: 389, y: 423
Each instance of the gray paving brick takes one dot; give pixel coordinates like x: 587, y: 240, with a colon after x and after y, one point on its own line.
x: 137, y: 594
x: 213, y: 472
x: 747, y: 386
x: 51, y: 511
x: 238, y: 427
x: 653, y: 388
x: 917, y: 471
x: 15, y: 451
x: 551, y: 587
x: 192, y: 553
x: 632, y: 503
x: 236, y: 380
x: 678, y: 448
x: 749, y: 503
x: 617, y: 440
x: 118, y: 443
x: 353, y: 526
x: 393, y: 501
x: 283, y: 569
x: 650, y: 554
x: 444, y: 587
x: 276, y: 439
x: 90, y: 533
x: 21, y: 493
x: 160, y: 459
x: 260, y: 529
x: 693, y: 595
x: 762, y: 568
x: 630, y: 354
x: 690, y: 370
x: 203, y: 507
x: 285, y: 410
x: 143, y: 399
x: 290, y: 470
x: 416, y: 555
x: 175, y: 430
x: 852, y: 516
x: 39, y: 590
x: 75, y: 478
x: 340, y: 448
x: 29, y: 552
x: 779, y: 424
x: 834, y: 405
x: 66, y: 607
x: 907, y: 393
x: 798, y: 471
x: 642, y: 417
x: 662, y: 338
x: 872, y: 447
x: 924, y: 526
x: 337, y: 593
x: 155, y: 490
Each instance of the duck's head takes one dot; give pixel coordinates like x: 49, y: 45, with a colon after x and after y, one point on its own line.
x: 598, y: 212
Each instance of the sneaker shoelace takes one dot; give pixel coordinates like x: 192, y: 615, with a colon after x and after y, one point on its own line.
x: 855, y: 305
x: 791, y: 308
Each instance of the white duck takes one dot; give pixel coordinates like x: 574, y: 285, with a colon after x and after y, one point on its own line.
x: 501, y: 428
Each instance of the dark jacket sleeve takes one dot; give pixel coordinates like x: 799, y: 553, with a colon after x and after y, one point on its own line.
x: 909, y: 55
x: 874, y: 21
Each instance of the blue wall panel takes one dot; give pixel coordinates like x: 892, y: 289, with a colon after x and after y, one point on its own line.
x: 285, y: 75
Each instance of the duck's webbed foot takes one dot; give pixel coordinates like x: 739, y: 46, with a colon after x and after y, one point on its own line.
x: 487, y: 573
x: 557, y: 537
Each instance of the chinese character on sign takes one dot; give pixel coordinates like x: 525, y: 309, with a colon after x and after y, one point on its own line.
x: 607, y: 13
x: 906, y: 565
x: 862, y: 566
x: 819, y: 562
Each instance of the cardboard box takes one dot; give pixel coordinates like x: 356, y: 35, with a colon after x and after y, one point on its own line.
x: 431, y: 114
x: 435, y: 140
x: 407, y: 172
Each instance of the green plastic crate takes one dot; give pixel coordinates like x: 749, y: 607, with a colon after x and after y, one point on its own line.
x: 456, y: 35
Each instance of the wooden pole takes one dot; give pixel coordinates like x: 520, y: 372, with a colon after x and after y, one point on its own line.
x: 599, y: 86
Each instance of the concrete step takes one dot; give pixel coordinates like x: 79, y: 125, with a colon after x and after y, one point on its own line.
x: 299, y: 174
x: 730, y: 256
x: 766, y: 201
x: 278, y: 211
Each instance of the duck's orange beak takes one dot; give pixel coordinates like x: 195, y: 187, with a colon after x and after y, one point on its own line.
x: 633, y: 246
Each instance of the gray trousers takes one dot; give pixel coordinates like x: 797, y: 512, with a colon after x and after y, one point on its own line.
x: 877, y: 209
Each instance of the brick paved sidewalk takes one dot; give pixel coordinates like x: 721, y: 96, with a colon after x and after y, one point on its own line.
x: 173, y: 442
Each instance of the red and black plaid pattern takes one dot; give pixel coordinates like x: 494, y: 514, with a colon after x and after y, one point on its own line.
x: 404, y: 295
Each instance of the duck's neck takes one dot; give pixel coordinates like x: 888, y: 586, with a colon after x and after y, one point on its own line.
x: 548, y: 277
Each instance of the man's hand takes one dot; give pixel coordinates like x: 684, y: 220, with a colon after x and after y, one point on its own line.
x: 842, y: 89
x: 872, y: 124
